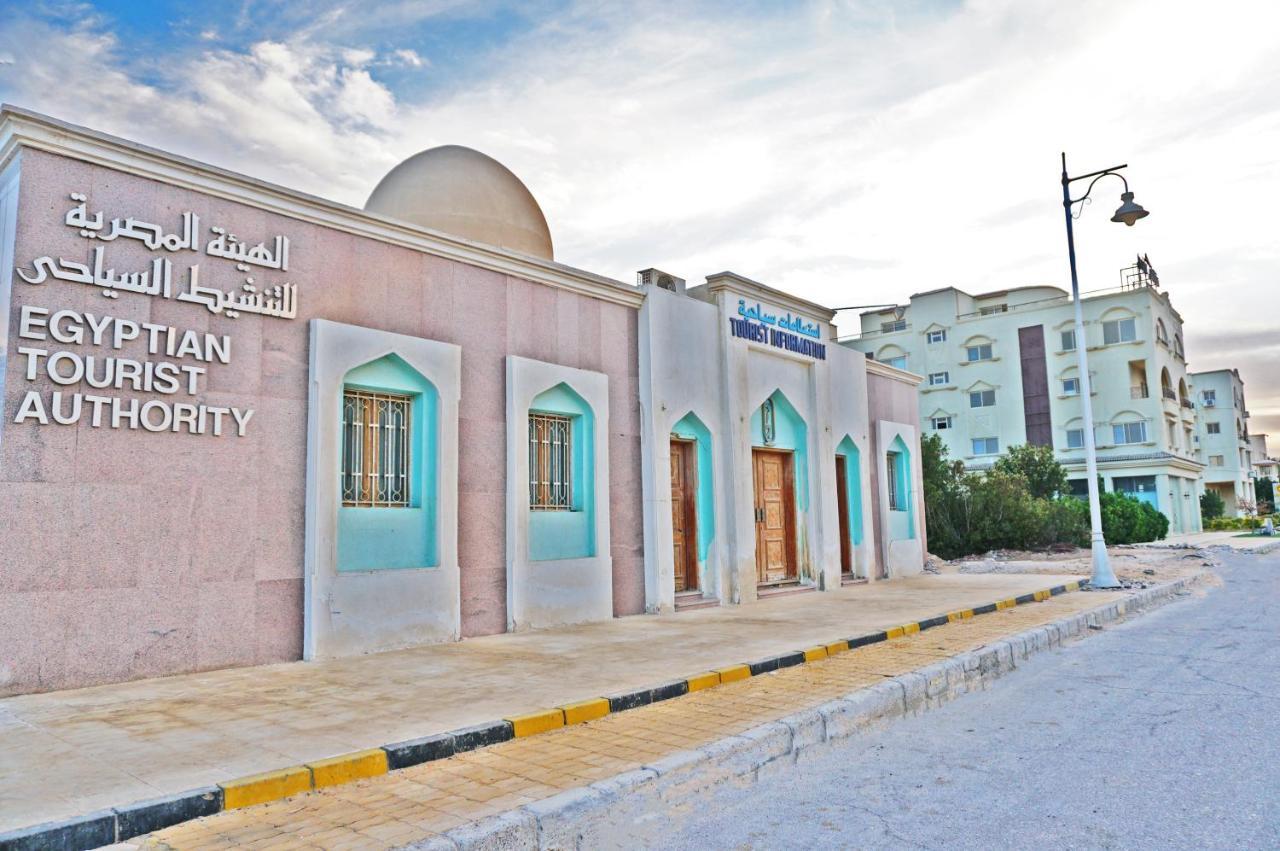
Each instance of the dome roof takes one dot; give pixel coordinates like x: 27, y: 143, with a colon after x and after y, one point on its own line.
x: 467, y: 194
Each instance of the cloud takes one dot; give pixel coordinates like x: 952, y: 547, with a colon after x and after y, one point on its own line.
x: 852, y: 152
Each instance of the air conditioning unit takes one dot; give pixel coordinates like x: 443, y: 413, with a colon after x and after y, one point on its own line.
x: 661, y: 280
x: 1209, y: 403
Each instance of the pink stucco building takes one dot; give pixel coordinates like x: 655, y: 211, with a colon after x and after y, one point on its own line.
x: 244, y: 425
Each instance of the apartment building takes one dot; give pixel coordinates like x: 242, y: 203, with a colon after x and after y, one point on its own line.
x: 1000, y: 369
x: 1223, y: 428
x: 1264, y: 466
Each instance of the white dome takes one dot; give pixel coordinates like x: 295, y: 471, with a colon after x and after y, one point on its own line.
x: 467, y: 194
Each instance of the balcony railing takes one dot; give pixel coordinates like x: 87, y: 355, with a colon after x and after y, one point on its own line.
x: 1138, y: 391
x: 1168, y: 393
x: 1188, y: 404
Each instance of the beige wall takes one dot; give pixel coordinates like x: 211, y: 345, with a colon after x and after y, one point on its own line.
x: 128, y: 554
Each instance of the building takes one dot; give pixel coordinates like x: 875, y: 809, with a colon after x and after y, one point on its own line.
x: 243, y: 424
x: 1001, y: 370
x: 1264, y: 466
x: 1223, y: 428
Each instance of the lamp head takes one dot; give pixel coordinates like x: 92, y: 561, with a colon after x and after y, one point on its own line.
x: 1129, y: 212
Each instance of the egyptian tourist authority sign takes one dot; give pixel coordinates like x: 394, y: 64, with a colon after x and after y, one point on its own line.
x: 177, y: 360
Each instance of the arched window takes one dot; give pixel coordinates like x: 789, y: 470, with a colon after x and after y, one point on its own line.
x: 1177, y: 346
x: 389, y: 434
x: 1166, y: 385
x: 898, y: 477
x: 979, y: 348
x: 892, y: 356
x: 1128, y: 427
x: 562, y: 505
x: 1162, y: 335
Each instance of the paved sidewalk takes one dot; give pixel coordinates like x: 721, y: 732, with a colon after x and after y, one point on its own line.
x: 1234, y: 538
x: 424, y: 801
x: 69, y: 753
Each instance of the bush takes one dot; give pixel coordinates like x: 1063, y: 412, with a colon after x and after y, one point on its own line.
x: 971, y: 513
x: 1127, y: 520
x: 1044, y: 476
x: 1211, y: 505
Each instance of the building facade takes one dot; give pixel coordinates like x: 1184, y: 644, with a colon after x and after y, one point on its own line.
x: 1264, y: 467
x: 1225, y: 443
x: 1000, y: 370
x: 243, y: 424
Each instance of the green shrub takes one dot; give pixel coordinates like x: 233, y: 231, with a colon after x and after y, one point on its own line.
x: 1128, y: 520
x: 1211, y: 505
x: 1045, y: 477
x: 971, y: 513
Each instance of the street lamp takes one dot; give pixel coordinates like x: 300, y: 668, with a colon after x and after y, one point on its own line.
x: 1128, y: 213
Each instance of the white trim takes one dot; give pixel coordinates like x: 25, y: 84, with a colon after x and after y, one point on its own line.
x: 349, y: 613
x: 21, y: 128
x: 561, y: 591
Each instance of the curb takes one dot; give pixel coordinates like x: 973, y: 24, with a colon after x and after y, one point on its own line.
x: 595, y: 815
x: 109, y: 826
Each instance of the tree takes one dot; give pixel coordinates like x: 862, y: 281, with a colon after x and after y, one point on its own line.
x: 1264, y: 495
x: 1045, y: 477
x: 1211, y: 505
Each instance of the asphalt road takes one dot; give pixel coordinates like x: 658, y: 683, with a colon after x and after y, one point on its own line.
x: 1163, y: 732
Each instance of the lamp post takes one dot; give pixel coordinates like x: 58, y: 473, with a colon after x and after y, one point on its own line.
x: 1128, y: 213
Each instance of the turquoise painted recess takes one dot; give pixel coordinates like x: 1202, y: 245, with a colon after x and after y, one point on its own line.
x: 555, y: 535
x: 902, y: 523
x: 853, y: 474
x: 692, y: 428
x: 397, y: 538
x: 791, y: 433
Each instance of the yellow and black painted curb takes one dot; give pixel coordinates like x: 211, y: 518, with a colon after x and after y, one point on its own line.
x: 106, y: 827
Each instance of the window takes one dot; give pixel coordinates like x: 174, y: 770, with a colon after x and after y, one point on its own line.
x: 1075, y: 438
x: 1213, y: 428
x: 1122, y: 433
x: 1119, y: 331
x: 893, y: 461
x: 1217, y: 461
x: 1210, y: 398
x: 1162, y: 336
x: 1069, y: 341
x: 1177, y: 345
x: 986, y: 446
x: 979, y: 352
x: 550, y: 462
x: 939, y: 378
x: 982, y: 398
x: 1071, y: 387
x: 939, y: 423
x: 895, y: 325
x: 375, y: 449
x: 938, y: 336
x: 993, y: 308
x: 1078, y: 487
x: 899, y: 362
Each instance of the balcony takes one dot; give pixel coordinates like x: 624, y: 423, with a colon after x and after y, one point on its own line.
x: 1168, y: 393
x: 1138, y: 391
x: 1188, y: 404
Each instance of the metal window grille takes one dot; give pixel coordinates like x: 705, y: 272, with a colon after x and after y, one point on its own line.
x: 375, y: 449
x: 891, y: 471
x: 550, y: 462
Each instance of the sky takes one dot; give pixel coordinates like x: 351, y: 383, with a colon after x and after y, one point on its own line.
x: 851, y: 152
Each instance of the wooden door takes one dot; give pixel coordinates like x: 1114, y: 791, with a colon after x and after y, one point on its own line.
x: 684, y: 515
x: 775, y: 516
x: 842, y: 506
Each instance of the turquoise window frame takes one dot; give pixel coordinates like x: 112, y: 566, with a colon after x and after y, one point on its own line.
x: 902, y: 521
x: 396, y: 537
x: 853, y: 486
x: 555, y: 535
x: 691, y: 428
